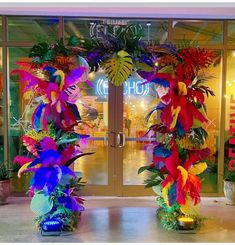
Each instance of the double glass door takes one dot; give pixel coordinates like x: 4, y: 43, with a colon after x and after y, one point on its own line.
x: 114, y: 117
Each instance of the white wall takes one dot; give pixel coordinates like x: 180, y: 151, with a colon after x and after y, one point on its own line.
x: 147, y: 10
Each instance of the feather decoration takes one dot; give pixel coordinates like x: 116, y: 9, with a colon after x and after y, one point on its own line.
x: 198, y: 168
x: 50, y: 71
x: 29, y: 142
x: 172, y: 194
x: 195, y: 187
x: 74, y: 75
x: 167, y: 183
x: 47, y: 143
x: 161, y: 151
x: 36, y: 117
x: 160, y: 81
x: 21, y: 160
x: 25, y: 168
x: 160, y: 106
x: 70, y: 161
x: 189, y: 208
x: 183, y: 175
x: 194, y: 156
x: 174, y: 113
x: 46, y: 117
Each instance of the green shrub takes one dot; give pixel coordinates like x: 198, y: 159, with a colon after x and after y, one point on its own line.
x: 4, y: 173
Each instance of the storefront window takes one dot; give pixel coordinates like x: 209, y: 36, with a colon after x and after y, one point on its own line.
x: 231, y: 32
x: 95, y: 167
x: 229, y: 116
x: 0, y: 28
x: 154, y: 30
x: 197, y: 32
x: 20, y: 110
x: 32, y: 29
x: 209, y: 183
x: 93, y: 108
x: 1, y: 111
x: 138, y: 99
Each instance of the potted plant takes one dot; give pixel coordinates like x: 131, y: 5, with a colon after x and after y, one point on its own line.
x: 19, y: 185
x: 229, y: 184
x: 5, y: 186
x: 229, y: 176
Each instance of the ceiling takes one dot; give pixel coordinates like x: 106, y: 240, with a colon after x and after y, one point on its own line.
x: 129, y: 10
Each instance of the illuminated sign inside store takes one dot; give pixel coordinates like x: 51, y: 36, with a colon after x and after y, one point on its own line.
x: 96, y: 29
x: 231, y: 153
x: 133, y: 86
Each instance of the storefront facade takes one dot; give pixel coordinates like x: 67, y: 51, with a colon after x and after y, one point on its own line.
x: 116, y: 115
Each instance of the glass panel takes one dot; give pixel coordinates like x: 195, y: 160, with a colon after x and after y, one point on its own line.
x: 137, y: 102
x: 0, y: 28
x: 86, y: 28
x: 209, y: 177
x: 229, y: 117
x: 32, y: 29
x: 198, y: 32
x: 1, y: 111
x: 93, y: 108
x: 18, y: 105
x: 231, y: 32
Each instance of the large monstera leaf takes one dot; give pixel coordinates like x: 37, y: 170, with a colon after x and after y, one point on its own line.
x: 118, y: 68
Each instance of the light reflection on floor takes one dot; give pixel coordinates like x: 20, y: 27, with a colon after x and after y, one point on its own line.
x: 94, y: 167
x: 115, y: 219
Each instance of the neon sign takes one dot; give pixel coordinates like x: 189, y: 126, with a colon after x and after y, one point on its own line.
x: 231, y: 154
x: 98, y: 29
x: 133, y: 86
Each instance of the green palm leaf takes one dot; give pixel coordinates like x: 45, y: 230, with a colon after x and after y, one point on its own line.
x: 118, y: 68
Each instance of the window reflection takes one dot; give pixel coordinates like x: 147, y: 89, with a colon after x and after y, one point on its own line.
x: 1, y: 111
x: 231, y: 32
x: 198, y: 32
x: 93, y: 108
x: 209, y: 178
x: 32, y: 29
x: 138, y: 99
x: 154, y: 30
x: 20, y: 113
x: 229, y: 113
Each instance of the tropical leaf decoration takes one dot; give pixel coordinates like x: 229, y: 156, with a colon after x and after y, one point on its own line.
x: 52, y: 144
x: 169, y: 59
x: 118, y: 68
x: 41, y: 53
x: 118, y: 50
x: 180, y: 152
x: 41, y: 204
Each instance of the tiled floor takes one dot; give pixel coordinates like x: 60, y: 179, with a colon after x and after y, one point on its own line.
x: 113, y: 219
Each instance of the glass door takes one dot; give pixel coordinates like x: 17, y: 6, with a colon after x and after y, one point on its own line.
x: 134, y: 146
x: 97, y: 112
x: 114, y: 117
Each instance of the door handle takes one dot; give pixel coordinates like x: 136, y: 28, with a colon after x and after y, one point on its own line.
x: 121, y: 139
x: 107, y: 139
x: 106, y: 135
